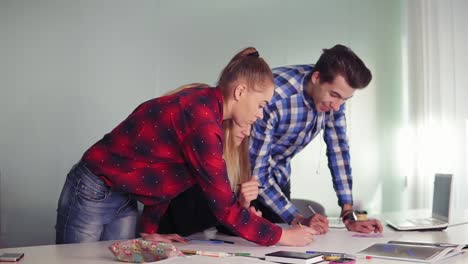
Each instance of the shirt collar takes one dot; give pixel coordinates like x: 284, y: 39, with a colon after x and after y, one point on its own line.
x: 307, y: 99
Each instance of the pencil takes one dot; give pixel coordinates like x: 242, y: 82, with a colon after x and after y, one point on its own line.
x: 311, y: 209
x: 213, y: 254
x: 260, y: 187
x: 206, y: 241
x: 223, y: 241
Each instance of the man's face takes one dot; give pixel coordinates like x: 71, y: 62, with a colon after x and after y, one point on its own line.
x: 329, y: 96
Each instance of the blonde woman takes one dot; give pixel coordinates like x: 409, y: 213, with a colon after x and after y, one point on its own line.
x: 165, y: 146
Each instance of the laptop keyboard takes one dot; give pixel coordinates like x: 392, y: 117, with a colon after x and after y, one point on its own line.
x: 425, y: 222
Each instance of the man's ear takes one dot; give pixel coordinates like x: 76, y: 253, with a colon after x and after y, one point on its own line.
x: 239, y: 91
x: 315, y: 78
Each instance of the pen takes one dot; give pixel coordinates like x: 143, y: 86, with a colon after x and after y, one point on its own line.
x: 213, y: 254
x: 223, y: 241
x: 260, y: 187
x: 206, y: 253
x: 311, y: 209
x: 242, y: 254
x: 331, y: 258
x: 206, y: 241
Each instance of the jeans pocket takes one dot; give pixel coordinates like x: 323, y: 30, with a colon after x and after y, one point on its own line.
x: 94, y: 190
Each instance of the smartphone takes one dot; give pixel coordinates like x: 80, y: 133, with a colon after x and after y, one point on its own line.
x: 11, y: 257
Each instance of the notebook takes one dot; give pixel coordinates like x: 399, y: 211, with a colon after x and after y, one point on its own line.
x: 335, y: 222
x: 407, y: 252
x: 440, y: 209
x: 293, y: 257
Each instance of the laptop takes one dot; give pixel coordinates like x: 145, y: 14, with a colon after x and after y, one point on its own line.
x: 440, y: 209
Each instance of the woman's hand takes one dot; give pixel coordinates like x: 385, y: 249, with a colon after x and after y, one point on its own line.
x: 248, y: 192
x: 297, y: 236
x: 163, y: 238
x: 255, y: 211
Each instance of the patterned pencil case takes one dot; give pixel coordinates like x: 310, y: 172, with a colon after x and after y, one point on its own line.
x: 140, y: 251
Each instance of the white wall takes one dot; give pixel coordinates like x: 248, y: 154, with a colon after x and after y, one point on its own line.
x: 71, y: 70
x: 438, y: 113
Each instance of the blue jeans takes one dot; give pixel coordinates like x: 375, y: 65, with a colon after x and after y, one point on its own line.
x: 89, y: 211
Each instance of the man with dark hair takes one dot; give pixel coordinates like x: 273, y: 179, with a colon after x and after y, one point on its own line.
x: 307, y: 99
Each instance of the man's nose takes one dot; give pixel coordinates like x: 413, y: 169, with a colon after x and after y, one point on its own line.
x: 336, y: 104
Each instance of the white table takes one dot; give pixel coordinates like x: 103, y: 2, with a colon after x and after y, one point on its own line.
x: 337, y: 240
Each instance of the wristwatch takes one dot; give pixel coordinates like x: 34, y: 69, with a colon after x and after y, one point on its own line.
x: 361, y: 215
x: 349, y: 217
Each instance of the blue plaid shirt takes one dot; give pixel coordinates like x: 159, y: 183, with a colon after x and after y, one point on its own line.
x: 289, y: 123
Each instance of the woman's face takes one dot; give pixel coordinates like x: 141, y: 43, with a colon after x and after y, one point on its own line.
x: 250, y: 103
x: 240, y: 133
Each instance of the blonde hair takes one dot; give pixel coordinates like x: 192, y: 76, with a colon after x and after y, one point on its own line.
x: 249, y: 67
x: 186, y: 86
x: 236, y: 157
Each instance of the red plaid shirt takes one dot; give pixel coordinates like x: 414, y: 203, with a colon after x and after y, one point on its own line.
x: 167, y: 145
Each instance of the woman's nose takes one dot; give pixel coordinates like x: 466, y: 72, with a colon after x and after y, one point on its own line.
x: 259, y: 114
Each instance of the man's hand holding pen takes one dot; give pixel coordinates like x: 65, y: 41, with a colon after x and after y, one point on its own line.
x: 316, y: 221
x: 320, y: 222
x: 367, y: 226
x: 360, y: 224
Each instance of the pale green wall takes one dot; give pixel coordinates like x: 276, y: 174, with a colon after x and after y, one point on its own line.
x: 71, y: 70
x: 389, y: 102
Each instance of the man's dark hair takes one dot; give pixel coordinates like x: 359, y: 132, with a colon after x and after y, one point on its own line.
x: 341, y: 60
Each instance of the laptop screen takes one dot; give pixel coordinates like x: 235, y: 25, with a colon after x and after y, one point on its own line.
x: 441, y: 199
